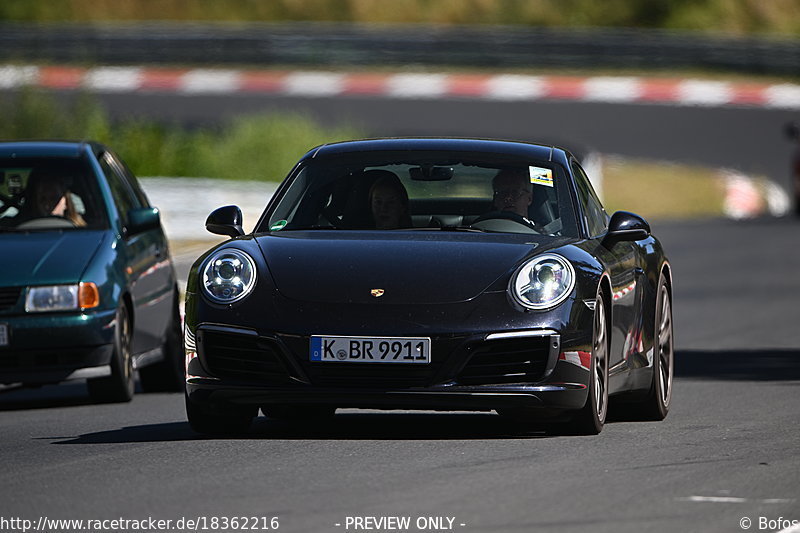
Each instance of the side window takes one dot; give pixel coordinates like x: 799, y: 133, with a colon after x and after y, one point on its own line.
x: 593, y: 212
x: 124, y: 198
x: 124, y: 171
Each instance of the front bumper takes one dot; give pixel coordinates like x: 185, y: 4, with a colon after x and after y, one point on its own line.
x: 530, y: 368
x: 55, y: 347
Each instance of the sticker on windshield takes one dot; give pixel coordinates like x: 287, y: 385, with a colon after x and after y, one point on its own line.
x: 541, y: 176
x: 279, y: 225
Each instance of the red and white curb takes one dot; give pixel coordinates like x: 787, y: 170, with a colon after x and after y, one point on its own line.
x: 747, y: 197
x: 501, y: 87
x: 624, y: 291
x: 580, y: 358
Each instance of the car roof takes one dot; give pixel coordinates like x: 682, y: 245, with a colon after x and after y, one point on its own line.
x: 45, y: 148
x: 511, y: 148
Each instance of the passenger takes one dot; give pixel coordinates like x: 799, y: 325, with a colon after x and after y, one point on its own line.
x: 48, y: 195
x: 388, y: 202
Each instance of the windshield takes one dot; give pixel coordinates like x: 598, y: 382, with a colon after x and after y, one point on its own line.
x: 425, y: 191
x: 46, y: 193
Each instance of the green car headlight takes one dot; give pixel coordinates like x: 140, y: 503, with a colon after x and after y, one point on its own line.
x: 229, y: 276
x: 84, y: 295
x: 543, y: 282
x: 51, y: 298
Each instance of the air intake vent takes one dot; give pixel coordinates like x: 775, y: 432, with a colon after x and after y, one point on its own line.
x: 230, y: 355
x: 522, y: 360
x: 9, y: 297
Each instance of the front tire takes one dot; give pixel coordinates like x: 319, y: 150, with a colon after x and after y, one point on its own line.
x: 119, y: 386
x: 592, y: 417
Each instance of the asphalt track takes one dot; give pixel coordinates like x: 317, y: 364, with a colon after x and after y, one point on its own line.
x: 727, y: 451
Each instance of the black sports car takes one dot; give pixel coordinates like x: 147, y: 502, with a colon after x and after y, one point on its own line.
x: 445, y: 274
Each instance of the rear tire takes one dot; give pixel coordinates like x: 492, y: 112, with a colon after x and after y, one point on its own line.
x: 119, y: 386
x: 592, y: 416
x: 218, y: 421
x: 168, y: 375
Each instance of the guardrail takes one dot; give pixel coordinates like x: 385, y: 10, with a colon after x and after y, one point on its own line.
x: 321, y: 44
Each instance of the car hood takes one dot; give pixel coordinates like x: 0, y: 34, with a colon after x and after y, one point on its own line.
x: 48, y: 257
x: 418, y: 268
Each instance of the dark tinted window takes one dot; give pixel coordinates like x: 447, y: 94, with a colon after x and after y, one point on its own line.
x: 124, y: 171
x: 124, y: 197
x: 426, y: 190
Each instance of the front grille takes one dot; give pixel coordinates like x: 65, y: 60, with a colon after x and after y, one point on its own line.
x: 522, y: 360
x: 230, y: 355
x: 9, y: 297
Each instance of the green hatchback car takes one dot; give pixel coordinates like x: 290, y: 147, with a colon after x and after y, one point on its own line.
x: 87, y: 285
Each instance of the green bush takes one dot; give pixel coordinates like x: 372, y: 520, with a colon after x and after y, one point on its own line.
x: 261, y: 147
x: 730, y: 16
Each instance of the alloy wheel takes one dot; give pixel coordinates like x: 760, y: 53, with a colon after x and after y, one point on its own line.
x: 665, y: 347
x: 600, y: 353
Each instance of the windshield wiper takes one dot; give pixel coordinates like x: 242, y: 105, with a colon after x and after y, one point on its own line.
x: 304, y: 228
x: 468, y: 229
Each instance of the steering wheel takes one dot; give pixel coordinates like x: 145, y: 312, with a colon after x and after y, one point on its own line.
x: 505, y: 215
x: 327, y: 215
x: 50, y: 221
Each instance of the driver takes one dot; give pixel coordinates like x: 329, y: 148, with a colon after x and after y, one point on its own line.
x: 48, y: 195
x: 513, y: 192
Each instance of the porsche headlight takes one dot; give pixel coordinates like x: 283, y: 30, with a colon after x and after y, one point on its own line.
x: 543, y: 282
x: 229, y: 276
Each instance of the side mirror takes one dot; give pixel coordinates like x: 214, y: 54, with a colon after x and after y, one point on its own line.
x: 226, y: 221
x: 625, y: 226
x: 143, y: 219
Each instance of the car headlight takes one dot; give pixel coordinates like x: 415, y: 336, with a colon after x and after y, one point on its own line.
x: 543, y: 282
x: 62, y: 297
x: 229, y: 276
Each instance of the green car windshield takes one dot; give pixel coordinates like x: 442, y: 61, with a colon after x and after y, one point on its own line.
x: 425, y: 191
x: 49, y: 193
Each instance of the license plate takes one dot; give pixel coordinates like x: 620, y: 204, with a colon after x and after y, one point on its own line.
x: 409, y: 350
x: 3, y: 334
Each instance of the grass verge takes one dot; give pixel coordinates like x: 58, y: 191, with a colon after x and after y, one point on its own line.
x: 661, y: 190
x: 258, y: 147
x: 265, y: 147
x: 728, y: 16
